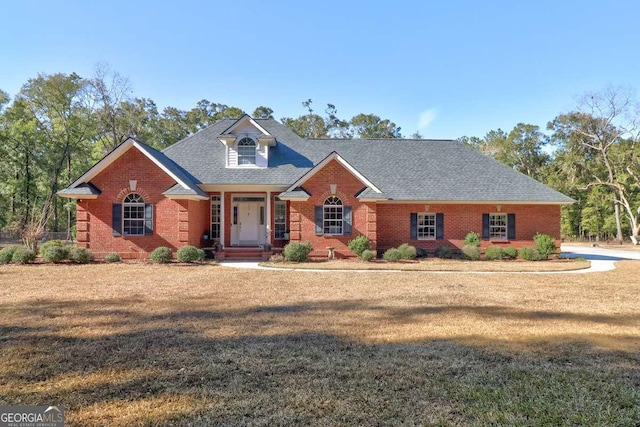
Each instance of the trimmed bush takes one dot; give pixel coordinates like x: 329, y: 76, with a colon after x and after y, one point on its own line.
x: 392, y: 255
x: 530, y: 253
x: 493, y: 252
x: 298, y: 251
x: 23, y: 255
x: 407, y: 251
x: 472, y: 239
x: 443, y: 252
x: 510, y: 252
x: 80, y: 255
x: 359, y: 244
x: 422, y: 253
x: 161, y: 255
x: 545, y: 244
x: 367, y: 255
x: 276, y: 258
x: 6, y: 254
x: 54, y: 253
x: 112, y: 257
x: 49, y: 244
x: 471, y: 253
x: 190, y: 254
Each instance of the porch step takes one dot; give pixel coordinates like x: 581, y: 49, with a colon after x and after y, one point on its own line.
x: 243, y: 254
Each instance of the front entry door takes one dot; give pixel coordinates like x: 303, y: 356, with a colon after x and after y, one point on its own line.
x: 248, y: 216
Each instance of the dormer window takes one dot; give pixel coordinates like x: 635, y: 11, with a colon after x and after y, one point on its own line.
x: 246, y: 152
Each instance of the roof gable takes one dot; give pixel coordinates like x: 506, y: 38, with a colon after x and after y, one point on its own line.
x: 156, y: 157
x: 243, y: 121
x: 334, y: 156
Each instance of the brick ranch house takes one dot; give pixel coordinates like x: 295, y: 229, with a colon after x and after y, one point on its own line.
x: 253, y: 182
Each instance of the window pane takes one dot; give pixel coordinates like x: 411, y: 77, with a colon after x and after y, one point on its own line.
x: 280, y: 219
x: 426, y: 226
x: 133, y: 215
x: 215, y: 217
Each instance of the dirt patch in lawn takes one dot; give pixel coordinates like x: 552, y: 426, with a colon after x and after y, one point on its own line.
x: 139, y: 344
x: 438, y: 265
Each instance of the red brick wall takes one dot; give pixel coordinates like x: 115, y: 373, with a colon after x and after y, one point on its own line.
x: 394, y: 226
x: 302, y: 214
x: 171, y: 224
x: 388, y: 225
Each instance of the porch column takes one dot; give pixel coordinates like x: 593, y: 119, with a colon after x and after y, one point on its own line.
x: 268, y: 219
x: 222, y: 217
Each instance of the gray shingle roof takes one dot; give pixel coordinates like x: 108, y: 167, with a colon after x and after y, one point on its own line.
x: 86, y: 189
x: 178, y: 171
x: 403, y: 169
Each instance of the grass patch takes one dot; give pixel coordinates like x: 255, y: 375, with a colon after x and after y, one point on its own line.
x: 146, y: 344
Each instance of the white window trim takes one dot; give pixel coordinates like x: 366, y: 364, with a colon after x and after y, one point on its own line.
x: 126, y: 204
x: 217, y: 203
x: 506, y: 226
x: 325, y: 208
x: 284, y: 222
x: 435, y: 226
x: 255, y: 153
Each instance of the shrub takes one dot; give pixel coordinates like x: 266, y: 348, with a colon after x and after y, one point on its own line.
x: 368, y: 255
x: 530, y: 253
x: 298, y: 251
x: 443, y: 252
x: 54, y: 253
x: 276, y: 258
x: 471, y: 253
x: 392, y: 255
x: 51, y: 244
x: 493, y: 253
x: 359, y: 245
x: 190, y: 254
x: 161, y: 255
x: 510, y: 252
x: 472, y: 239
x: 112, y: 257
x: 80, y: 255
x: 545, y: 244
x: 23, y: 255
x: 422, y: 253
x: 7, y: 253
x: 407, y: 251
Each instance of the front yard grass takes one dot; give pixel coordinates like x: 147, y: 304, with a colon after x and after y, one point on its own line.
x: 434, y: 264
x: 140, y: 344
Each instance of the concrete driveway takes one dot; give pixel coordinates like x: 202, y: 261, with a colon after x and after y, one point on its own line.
x: 602, y: 258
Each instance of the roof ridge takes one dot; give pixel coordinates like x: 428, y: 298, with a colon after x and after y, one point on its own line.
x: 175, y: 144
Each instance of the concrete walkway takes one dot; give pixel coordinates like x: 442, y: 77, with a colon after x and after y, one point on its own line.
x: 602, y: 259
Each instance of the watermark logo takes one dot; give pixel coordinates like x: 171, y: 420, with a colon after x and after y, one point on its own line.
x: 31, y: 416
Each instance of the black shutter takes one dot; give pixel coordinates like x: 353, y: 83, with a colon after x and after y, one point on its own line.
x: 439, y: 226
x: 148, y: 219
x: 319, y: 220
x: 413, y: 221
x: 116, y: 219
x: 485, y: 226
x: 511, y: 226
x: 346, y: 220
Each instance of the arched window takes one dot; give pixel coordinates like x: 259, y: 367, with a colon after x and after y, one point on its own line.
x: 332, y: 216
x: 246, y: 152
x: 133, y: 215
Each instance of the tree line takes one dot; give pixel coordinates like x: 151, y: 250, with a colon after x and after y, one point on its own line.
x: 58, y: 125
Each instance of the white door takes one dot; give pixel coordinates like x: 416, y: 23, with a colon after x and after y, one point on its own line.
x: 248, y: 216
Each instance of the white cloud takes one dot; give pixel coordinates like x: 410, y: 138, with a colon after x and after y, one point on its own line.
x: 426, y: 118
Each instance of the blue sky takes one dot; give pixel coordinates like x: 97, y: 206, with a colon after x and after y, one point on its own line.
x: 446, y: 68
